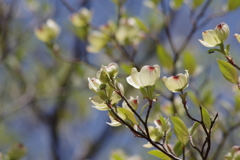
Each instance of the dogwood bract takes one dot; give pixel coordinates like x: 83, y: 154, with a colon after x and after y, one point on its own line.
x: 177, y: 83
x: 237, y: 36
x: 81, y: 18
x: 146, y: 77
x: 48, y: 31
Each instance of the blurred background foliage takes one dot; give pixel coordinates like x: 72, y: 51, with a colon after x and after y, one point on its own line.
x: 45, y: 100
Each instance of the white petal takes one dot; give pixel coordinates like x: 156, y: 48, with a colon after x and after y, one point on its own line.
x: 115, y: 98
x: 148, y: 75
x: 129, y: 80
x: 133, y: 79
x: 114, y: 124
x: 121, y: 88
x: 93, y: 84
x: 210, y: 37
x: 177, y: 83
x: 237, y: 36
x: 99, y: 103
x: 124, y: 105
x: 206, y: 44
x: 222, y: 31
x: 148, y: 145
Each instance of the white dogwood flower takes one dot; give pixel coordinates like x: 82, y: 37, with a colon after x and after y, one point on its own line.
x: 146, y: 77
x: 212, y: 38
x: 81, y: 18
x: 177, y: 83
x: 48, y: 31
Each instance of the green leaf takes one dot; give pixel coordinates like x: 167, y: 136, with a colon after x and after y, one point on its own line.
x: 178, y: 149
x: 127, y: 115
x: 169, y: 136
x: 118, y: 155
x: 206, y: 118
x: 181, y: 130
x: 197, y: 3
x: 210, y: 51
x: 228, y: 71
x: 143, y: 108
x: 151, y: 90
x: 164, y: 57
x: 126, y: 68
x: 192, y: 96
x: 233, y: 4
x: 159, y: 154
x: 227, y: 49
x: 189, y: 62
x: 117, y: 2
x: 208, y: 99
x: 141, y: 24
x: 176, y: 4
x: 193, y: 128
x: 237, y: 104
x: 144, y: 92
x: 163, y: 123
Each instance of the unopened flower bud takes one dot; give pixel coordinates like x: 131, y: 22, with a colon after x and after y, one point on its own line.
x: 94, y: 84
x: 47, y: 32
x: 111, y: 69
x: 133, y: 102
x: 177, y: 83
x: 17, y: 151
x: 235, y: 149
x: 108, y: 72
x: 129, y: 32
x: 155, y: 133
x: 81, y: 18
x: 237, y: 36
x: 120, y: 87
x: 108, y: 28
x: 146, y: 77
x: 166, y: 127
x: 103, y: 77
x: 97, y: 41
x: 222, y: 31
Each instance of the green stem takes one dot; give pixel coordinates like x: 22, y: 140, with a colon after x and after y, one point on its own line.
x: 222, y: 50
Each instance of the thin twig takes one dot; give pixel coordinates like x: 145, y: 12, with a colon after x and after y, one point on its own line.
x: 68, y: 6
x: 193, y: 145
x: 146, y: 119
x: 230, y: 60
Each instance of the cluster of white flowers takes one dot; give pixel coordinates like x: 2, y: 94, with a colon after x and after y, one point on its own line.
x: 107, y: 88
x: 149, y: 75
